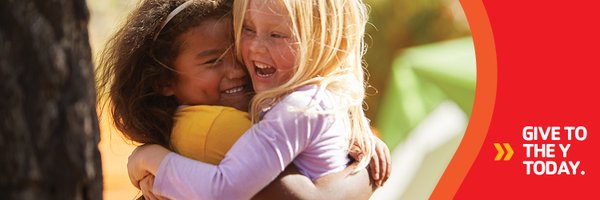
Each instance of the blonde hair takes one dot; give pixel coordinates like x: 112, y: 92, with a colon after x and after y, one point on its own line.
x: 330, y: 35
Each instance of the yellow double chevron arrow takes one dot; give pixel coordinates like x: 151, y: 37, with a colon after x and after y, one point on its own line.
x: 509, y: 151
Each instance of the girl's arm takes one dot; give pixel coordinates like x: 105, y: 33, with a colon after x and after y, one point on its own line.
x: 144, y: 161
x: 290, y: 184
x: 255, y: 159
x: 340, y: 185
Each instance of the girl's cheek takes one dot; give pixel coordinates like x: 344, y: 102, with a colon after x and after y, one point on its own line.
x: 288, y: 53
x: 244, y: 49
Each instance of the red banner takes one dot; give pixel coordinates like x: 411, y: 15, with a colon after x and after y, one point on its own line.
x: 537, y: 109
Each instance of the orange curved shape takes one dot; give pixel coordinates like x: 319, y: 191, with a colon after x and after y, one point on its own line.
x: 483, y: 106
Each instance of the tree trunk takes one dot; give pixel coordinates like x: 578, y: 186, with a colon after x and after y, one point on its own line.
x: 48, y: 125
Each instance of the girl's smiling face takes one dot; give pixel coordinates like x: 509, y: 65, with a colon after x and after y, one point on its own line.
x: 206, y: 71
x: 268, y: 45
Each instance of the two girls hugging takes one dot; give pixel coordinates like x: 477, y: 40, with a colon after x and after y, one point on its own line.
x: 240, y: 99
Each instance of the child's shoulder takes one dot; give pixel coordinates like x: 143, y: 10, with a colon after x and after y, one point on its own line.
x: 207, y: 112
x: 305, y: 105
x: 309, y: 96
x: 303, y: 95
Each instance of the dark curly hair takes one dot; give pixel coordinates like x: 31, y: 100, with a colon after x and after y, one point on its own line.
x: 134, y: 65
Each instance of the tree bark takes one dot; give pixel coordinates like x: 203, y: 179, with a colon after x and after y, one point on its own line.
x: 48, y: 124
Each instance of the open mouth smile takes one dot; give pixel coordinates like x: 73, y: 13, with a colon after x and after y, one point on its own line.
x: 236, y: 90
x: 263, y: 70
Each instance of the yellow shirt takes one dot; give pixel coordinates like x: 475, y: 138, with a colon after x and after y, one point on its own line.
x: 206, y: 133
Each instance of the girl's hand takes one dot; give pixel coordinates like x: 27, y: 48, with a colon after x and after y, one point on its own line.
x: 381, y: 163
x: 146, y: 185
x: 144, y: 161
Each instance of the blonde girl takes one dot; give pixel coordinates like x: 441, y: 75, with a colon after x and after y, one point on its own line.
x: 304, y: 59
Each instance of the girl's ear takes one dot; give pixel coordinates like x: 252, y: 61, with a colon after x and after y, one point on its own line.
x: 166, y: 89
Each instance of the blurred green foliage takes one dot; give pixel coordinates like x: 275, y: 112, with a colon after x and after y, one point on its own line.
x: 398, y: 24
x: 423, y: 77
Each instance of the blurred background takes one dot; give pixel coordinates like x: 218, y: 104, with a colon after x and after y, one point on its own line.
x: 421, y: 65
